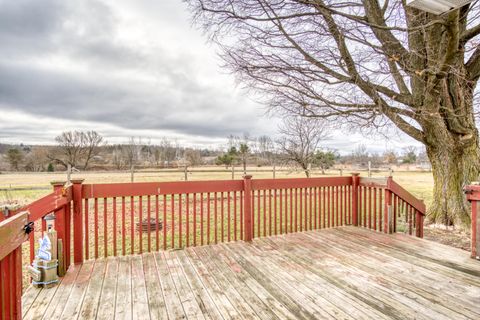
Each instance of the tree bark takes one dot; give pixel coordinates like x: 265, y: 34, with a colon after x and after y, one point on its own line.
x: 454, y: 165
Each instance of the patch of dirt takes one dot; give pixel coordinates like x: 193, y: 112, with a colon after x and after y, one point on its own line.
x: 457, y: 238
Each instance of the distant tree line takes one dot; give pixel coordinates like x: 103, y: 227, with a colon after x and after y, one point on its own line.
x: 300, y: 145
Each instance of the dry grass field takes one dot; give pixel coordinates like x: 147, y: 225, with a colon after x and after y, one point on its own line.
x: 26, y: 187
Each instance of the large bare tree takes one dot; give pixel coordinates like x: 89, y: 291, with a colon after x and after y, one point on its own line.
x: 367, y: 63
x: 75, y: 147
x: 300, y: 138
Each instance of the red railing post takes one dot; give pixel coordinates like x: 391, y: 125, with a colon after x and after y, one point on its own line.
x: 12, y: 235
x: 77, y: 221
x: 475, y: 230
x: 473, y: 195
x: 355, y: 183
x: 247, y: 207
x: 387, y: 214
x: 61, y: 227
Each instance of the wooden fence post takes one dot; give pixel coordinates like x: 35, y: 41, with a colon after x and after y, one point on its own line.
x: 355, y: 183
x: 247, y: 207
x: 387, y: 214
x: 77, y: 221
x: 61, y: 228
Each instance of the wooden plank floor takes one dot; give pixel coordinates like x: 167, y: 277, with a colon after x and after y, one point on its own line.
x: 343, y: 273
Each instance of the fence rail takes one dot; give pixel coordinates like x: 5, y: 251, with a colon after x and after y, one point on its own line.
x: 94, y: 220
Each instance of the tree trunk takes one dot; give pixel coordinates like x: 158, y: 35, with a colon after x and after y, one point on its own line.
x: 454, y: 165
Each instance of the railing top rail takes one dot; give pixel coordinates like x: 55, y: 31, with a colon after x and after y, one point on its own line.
x: 373, y: 182
x: 47, y: 204
x: 472, y: 192
x: 416, y: 203
x: 110, y: 190
x: 12, y: 233
x: 265, y: 184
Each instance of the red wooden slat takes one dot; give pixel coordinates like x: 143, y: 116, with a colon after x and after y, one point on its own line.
x: 164, y: 222
x: 395, y: 208
x: 369, y: 207
x: 187, y: 216
x: 31, y: 239
x: 149, y: 215
x: 208, y: 216
x: 95, y: 225
x: 114, y: 236
x: 319, y: 208
x: 410, y: 220
x: 86, y: 230
x: 311, y: 208
x: 264, y: 213
x: 258, y: 213
x: 324, y: 207
x: 365, y: 207
x: 328, y: 212
x: 228, y: 217
x: 280, y: 199
x: 157, y: 211
x: 241, y: 216
x: 343, y: 216
x: 337, y: 206
x: 375, y: 209
x: 124, y: 229
x: 349, y: 205
x: 285, y: 209
x: 291, y: 210
x: 132, y: 226
x: 140, y: 220
x: 201, y: 219
x: 194, y: 219
x: 359, y: 206
x: 380, y: 216
x: 180, y: 221
x: 295, y: 219
x: 275, y: 200
x: 301, y: 220
x: 105, y: 236
x: 172, y: 210
x: 235, y: 215
x: 215, y: 213
x: 222, y: 217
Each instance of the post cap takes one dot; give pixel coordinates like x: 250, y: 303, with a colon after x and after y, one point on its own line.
x: 58, y: 183
x: 77, y: 180
x: 247, y: 176
x: 355, y: 174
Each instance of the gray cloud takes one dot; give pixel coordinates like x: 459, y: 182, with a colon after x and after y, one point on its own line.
x: 70, y: 60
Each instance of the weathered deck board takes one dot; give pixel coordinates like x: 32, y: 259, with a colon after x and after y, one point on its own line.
x: 344, y: 273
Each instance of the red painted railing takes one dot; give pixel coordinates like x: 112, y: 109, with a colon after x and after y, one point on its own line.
x: 473, y: 195
x: 96, y: 220
x: 382, y: 203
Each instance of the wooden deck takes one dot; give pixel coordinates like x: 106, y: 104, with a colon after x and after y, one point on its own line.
x: 343, y: 273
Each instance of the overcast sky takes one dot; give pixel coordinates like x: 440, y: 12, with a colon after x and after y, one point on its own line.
x: 124, y: 68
